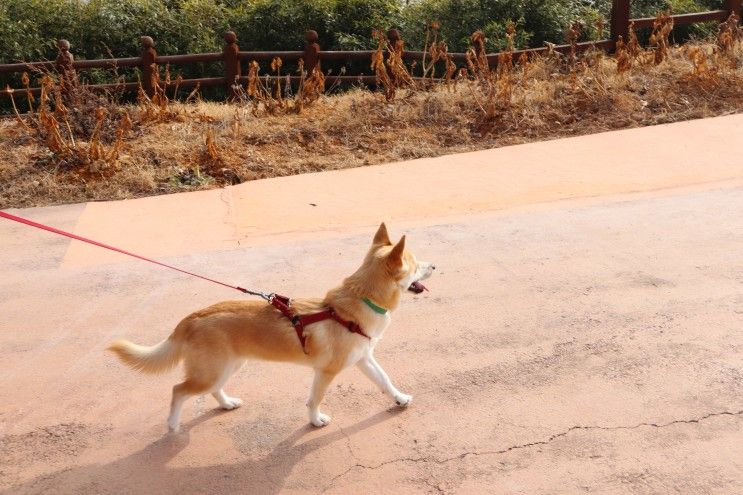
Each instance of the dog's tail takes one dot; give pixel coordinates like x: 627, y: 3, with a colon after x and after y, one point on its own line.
x: 154, y: 359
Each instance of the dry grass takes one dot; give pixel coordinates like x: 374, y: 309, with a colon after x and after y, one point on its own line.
x: 171, y: 147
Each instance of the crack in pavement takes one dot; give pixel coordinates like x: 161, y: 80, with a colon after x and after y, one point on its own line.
x: 527, y: 445
x: 434, y: 486
x: 348, y: 444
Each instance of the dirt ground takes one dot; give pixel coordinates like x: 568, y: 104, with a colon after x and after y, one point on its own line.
x: 571, y: 342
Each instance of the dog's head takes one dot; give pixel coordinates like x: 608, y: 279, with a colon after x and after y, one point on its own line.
x: 396, y: 263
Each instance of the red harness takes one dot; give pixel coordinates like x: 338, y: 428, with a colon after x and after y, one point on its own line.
x: 283, y: 304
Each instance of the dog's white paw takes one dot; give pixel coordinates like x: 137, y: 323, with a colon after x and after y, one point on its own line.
x: 231, y: 403
x: 320, y: 420
x: 403, y: 400
x: 173, y: 427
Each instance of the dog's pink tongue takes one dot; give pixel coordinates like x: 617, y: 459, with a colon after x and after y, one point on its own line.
x: 417, y: 287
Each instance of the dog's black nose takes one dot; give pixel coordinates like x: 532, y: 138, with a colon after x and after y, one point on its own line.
x: 433, y: 267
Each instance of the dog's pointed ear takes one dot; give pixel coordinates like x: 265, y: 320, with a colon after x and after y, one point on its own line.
x: 382, y: 238
x: 395, y: 256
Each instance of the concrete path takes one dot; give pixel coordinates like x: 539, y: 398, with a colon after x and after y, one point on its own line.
x: 583, y: 332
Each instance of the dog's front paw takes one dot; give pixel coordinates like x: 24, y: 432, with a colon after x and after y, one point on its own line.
x: 173, y: 427
x: 403, y: 400
x: 231, y: 403
x: 320, y: 420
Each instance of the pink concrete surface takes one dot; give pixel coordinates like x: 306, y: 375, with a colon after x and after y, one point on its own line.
x: 582, y: 334
x: 321, y: 204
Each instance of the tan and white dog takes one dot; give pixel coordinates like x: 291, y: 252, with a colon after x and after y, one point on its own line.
x: 216, y: 341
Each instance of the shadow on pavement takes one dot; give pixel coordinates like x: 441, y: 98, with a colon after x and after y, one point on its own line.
x: 146, y: 471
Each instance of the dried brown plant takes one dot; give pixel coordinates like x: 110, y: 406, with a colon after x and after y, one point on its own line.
x: 729, y: 35
x: 662, y: 27
x: 621, y: 53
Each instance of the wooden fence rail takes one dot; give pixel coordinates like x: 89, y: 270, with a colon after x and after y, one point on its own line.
x: 232, y: 58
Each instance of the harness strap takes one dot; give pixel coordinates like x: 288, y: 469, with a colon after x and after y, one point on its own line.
x: 283, y: 304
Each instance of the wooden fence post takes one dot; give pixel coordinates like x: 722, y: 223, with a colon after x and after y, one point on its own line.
x: 231, y: 64
x: 734, y: 6
x: 311, y: 55
x: 65, y: 69
x: 150, y: 73
x: 620, y: 15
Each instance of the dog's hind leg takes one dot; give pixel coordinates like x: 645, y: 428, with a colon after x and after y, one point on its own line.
x: 204, y: 373
x: 319, y: 386
x: 225, y: 401
x: 181, y: 392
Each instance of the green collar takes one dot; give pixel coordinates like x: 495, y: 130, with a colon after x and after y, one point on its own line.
x: 374, y: 307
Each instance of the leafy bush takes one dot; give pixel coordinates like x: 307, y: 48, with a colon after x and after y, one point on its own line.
x: 100, y: 28
x: 352, y: 21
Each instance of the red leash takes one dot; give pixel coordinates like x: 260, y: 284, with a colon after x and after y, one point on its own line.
x: 282, y: 303
x: 112, y: 248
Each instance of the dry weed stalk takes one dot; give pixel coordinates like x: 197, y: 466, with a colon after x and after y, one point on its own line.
x: 125, y: 126
x: 48, y: 125
x: 213, y: 160
x: 729, y: 34
x: 211, y: 146
x: 525, y: 67
x: 462, y: 75
x: 195, y: 95
x: 572, y: 36
x: 96, y: 151
x: 623, y: 58
x: 236, y: 121
x: 505, y: 68
x: 398, y: 72
x: 436, y: 50
x: 662, y: 27
x: 276, y: 64
x: 633, y: 44
x: 9, y: 91
x: 451, y: 68
x: 477, y: 60
x: 310, y: 88
x: 380, y: 68
x: 178, y: 81
x: 61, y: 111
x: 256, y: 92
x: 158, y: 108
x: 253, y: 82
x: 486, y: 81
x: 29, y: 97
x: 627, y: 53
x: 698, y: 58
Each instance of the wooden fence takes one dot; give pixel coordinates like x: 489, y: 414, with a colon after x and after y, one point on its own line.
x: 232, y: 57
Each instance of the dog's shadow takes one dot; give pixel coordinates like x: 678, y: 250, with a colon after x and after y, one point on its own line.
x: 147, y: 470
